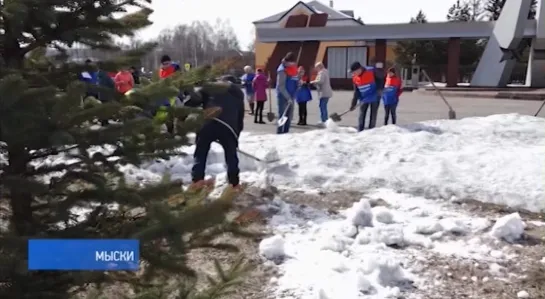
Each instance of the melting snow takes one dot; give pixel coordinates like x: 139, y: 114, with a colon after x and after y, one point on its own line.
x: 366, y: 252
x: 497, y: 159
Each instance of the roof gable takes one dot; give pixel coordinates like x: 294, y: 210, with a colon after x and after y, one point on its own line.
x: 279, y: 16
x: 322, y: 8
x: 313, y: 6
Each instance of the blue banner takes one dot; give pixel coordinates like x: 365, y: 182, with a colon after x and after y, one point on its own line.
x: 83, y: 254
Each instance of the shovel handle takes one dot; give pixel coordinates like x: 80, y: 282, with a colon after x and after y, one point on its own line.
x: 270, y: 93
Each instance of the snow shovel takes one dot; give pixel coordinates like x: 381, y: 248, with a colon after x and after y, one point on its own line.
x: 256, y: 158
x: 451, y: 112
x: 338, y: 117
x: 284, y: 118
x: 270, y: 114
x: 540, y: 107
x: 265, y: 161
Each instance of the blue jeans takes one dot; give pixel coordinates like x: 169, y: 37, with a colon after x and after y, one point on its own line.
x: 323, y: 109
x: 282, y: 103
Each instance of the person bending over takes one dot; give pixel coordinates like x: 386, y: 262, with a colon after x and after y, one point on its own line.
x: 365, y: 93
x: 224, y: 128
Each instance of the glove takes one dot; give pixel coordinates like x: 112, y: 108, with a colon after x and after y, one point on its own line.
x: 290, y: 101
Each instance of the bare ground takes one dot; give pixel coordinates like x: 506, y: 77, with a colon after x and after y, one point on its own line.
x: 457, y: 277
x: 255, y: 284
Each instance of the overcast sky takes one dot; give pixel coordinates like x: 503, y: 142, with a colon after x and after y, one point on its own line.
x: 241, y: 13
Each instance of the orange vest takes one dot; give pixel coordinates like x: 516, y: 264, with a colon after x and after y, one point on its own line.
x: 365, y: 83
x: 364, y: 78
x: 393, y: 81
x: 291, y: 71
x: 167, y: 71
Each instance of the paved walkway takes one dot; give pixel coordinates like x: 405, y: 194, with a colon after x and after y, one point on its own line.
x: 413, y: 107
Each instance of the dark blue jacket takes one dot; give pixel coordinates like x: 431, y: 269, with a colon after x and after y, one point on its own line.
x: 226, y: 96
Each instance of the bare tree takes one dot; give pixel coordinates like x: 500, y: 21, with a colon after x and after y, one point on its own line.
x: 251, y: 45
x: 198, y: 43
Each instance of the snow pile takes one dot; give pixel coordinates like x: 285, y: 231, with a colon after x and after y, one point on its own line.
x: 272, y: 248
x: 494, y: 159
x: 333, y: 127
x: 369, y: 250
x: 509, y: 227
x: 324, y: 260
x: 497, y: 159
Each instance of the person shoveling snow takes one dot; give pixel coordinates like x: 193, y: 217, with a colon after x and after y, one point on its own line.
x: 224, y: 128
x: 231, y: 101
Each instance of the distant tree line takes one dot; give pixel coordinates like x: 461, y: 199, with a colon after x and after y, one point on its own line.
x: 197, y: 44
x: 432, y: 54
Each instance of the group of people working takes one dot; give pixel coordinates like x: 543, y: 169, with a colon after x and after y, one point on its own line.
x: 225, y: 128
x: 293, y: 83
x: 293, y: 86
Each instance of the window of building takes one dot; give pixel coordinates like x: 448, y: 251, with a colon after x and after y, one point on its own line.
x: 339, y: 60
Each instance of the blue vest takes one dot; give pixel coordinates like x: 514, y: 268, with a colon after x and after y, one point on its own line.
x: 292, y: 82
x: 367, y: 87
x: 389, y: 95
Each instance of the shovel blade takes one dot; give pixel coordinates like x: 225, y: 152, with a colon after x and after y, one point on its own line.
x: 452, y: 114
x: 335, y: 117
x: 282, y: 121
x: 270, y: 117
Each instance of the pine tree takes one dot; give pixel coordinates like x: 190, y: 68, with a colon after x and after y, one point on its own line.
x: 471, y: 50
x: 54, y: 163
x: 494, y: 8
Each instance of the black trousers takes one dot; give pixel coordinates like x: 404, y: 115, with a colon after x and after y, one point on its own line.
x: 302, y: 112
x: 373, y: 115
x: 259, y: 111
x: 215, y: 131
x: 170, y: 126
x: 390, y: 110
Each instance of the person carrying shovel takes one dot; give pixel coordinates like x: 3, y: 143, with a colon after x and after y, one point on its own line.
x: 287, y: 81
x: 365, y: 93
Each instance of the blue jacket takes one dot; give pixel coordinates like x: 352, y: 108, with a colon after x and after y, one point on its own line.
x: 91, y: 78
x: 247, y: 82
x: 292, y: 79
x: 303, y: 94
